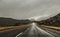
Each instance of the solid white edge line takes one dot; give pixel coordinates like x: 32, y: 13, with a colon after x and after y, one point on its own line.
x: 44, y: 31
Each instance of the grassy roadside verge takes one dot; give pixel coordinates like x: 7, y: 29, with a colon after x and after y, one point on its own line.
x: 51, y: 27
x: 11, y: 27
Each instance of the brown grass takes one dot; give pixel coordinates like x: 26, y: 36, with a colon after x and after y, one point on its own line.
x: 52, y: 27
x: 11, y: 27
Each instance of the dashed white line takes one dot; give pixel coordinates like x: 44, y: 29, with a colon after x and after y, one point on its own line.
x: 19, y: 34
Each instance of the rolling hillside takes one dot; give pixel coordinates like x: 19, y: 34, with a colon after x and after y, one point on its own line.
x: 12, y: 22
x: 54, y: 21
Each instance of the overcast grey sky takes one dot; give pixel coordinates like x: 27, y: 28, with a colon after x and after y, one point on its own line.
x: 20, y: 9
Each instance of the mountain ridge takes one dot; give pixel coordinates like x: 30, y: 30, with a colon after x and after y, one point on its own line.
x: 12, y: 22
x: 54, y: 21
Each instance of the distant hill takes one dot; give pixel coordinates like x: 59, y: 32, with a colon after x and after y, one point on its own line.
x: 55, y: 21
x: 12, y: 22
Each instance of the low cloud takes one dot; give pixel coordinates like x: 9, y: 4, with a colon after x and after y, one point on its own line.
x: 20, y: 9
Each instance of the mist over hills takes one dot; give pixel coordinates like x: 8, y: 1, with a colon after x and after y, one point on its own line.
x: 53, y: 21
x: 12, y: 22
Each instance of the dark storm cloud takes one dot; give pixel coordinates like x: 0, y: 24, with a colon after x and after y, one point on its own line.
x: 21, y: 9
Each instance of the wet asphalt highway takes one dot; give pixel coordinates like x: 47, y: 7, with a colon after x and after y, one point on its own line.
x: 35, y: 31
x: 32, y: 31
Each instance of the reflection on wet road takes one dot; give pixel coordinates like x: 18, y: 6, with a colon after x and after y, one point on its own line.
x: 34, y: 31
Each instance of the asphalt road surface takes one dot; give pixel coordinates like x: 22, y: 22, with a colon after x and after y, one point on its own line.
x: 55, y: 33
x: 12, y: 33
x: 32, y: 31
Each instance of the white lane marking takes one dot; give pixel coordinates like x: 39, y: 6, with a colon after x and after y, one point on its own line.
x: 53, y: 32
x: 19, y: 34
x: 22, y: 32
x: 44, y: 31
